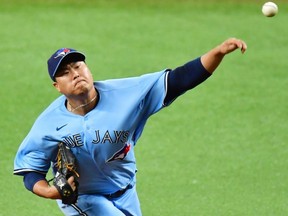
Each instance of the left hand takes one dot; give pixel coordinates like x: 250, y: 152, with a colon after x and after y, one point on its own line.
x: 232, y: 44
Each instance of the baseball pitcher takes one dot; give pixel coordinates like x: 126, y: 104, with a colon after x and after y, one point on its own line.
x: 88, y: 134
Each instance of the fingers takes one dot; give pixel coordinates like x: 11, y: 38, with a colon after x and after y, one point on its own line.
x: 231, y: 45
x: 71, y: 182
x: 239, y: 44
x: 242, y: 45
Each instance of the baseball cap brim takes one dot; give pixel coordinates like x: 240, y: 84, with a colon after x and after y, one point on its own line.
x: 63, y: 55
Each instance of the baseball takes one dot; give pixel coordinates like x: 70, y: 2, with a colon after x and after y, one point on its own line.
x: 269, y: 9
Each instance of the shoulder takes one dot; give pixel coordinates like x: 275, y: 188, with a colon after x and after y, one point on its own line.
x: 55, y: 105
x: 52, y: 111
x: 129, y: 82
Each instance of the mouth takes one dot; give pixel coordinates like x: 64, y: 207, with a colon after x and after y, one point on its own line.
x: 79, y: 81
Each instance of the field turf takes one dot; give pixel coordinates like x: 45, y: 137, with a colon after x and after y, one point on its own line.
x: 219, y: 150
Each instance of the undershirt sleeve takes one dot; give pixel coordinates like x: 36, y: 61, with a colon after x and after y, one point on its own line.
x: 31, y: 178
x: 184, y: 78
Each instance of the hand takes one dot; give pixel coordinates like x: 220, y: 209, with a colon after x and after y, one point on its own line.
x: 232, y: 44
x: 72, y: 183
x: 213, y: 58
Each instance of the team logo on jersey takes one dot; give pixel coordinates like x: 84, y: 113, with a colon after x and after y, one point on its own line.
x: 121, y: 154
x: 62, y: 52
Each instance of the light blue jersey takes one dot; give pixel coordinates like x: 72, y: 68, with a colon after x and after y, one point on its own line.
x: 103, y: 140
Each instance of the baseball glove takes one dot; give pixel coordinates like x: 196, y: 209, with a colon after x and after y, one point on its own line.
x: 66, y: 167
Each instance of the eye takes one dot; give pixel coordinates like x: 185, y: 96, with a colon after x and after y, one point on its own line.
x: 61, y: 73
x: 77, y: 65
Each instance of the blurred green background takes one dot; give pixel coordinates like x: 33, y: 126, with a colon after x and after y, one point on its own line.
x: 220, y: 149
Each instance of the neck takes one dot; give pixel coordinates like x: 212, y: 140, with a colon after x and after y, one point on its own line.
x: 83, y: 105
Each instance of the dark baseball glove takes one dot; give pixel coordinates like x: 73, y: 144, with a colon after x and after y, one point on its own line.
x: 66, y: 167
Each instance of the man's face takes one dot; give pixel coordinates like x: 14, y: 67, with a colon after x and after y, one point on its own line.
x: 73, y: 78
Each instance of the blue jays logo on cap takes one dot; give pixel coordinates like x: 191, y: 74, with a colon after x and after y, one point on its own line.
x: 55, y: 60
x: 62, y: 52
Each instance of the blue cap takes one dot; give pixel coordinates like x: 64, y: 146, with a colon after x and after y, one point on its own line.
x: 64, y: 53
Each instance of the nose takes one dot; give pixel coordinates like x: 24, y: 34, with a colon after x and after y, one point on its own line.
x: 75, y: 74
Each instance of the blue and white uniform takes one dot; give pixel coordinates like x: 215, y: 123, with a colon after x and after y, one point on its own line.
x: 103, y: 140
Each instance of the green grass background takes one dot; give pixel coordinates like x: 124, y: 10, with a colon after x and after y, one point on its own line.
x: 220, y: 149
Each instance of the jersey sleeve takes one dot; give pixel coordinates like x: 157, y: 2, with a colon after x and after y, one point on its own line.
x: 33, y: 161
x: 36, y: 151
x: 34, y: 154
x: 155, y: 88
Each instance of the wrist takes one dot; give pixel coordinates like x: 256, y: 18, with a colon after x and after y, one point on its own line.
x: 220, y: 51
x: 53, y: 193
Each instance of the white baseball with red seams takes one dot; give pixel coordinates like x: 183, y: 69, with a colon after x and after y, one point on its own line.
x: 269, y: 9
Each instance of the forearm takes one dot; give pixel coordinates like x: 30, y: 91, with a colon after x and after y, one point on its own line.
x: 37, y: 183
x: 184, y: 78
x: 213, y: 58
x: 43, y: 189
x: 193, y: 73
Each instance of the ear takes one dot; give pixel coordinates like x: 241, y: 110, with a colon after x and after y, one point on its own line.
x: 55, y: 84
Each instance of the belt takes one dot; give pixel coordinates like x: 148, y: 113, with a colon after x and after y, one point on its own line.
x: 118, y: 193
